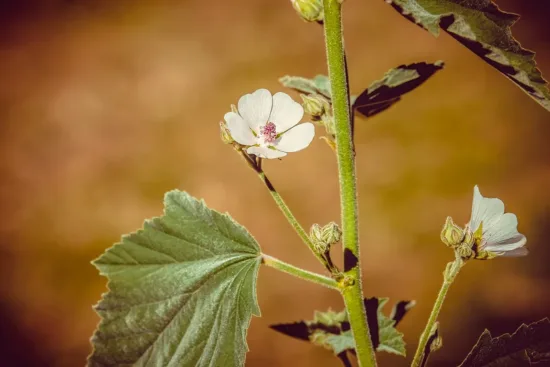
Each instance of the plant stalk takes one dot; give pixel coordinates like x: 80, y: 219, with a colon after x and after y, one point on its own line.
x: 449, y: 275
x: 352, y: 291
x: 299, y: 273
x: 256, y: 165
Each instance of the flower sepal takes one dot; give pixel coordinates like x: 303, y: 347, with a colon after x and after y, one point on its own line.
x: 451, y: 234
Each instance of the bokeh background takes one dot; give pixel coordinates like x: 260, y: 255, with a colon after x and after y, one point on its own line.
x: 105, y: 105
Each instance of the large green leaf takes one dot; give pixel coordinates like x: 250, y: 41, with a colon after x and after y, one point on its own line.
x: 528, y: 346
x: 331, y: 329
x: 384, y: 93
x: 380, y: 95
x: 182, y: 291
x: 483, y: 28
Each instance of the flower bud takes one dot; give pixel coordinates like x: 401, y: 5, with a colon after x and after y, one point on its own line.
x: 331, y: 233
x: 316, y: 235
x: 324, y: 237
x: 465, y: 251
x: 451, y: 235
x: 468, y: 239
x: 314, y: 105
x: 225, y: 134
x: 309, y: 10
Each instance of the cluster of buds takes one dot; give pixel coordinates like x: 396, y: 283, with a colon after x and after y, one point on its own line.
x: 309, y: 10
x: 319, y: 108
x: 459, y: 239
x: 323, y: 238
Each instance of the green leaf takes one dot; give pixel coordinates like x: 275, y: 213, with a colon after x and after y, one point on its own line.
x: 341, y: 342
x: 380, y: 95
x: 320, y: 84
x: 484, y: 29
x: 182, y: 290
x: 391, y: 340
x: 384, y: 93
x: 528, y: 346
x: 331, y: 329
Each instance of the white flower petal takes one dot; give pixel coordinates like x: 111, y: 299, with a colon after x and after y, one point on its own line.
x: 521, y: 251
x: 510, y: 244
x: 297, y: 138
x: 285, y: 113
x: 240, y: 132
x: 255, y: 108
x: 500, y: 233
x: 488, y: 210
x: 265, y: 152
x: 502, y: 229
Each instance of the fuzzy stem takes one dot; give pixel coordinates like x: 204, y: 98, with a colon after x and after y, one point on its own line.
x: 352, y: 292
x: 256, y: 165
x: 449, y: 275
x: 298, y: 272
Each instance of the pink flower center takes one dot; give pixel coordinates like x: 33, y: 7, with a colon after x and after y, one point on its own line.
x: 269, y: 132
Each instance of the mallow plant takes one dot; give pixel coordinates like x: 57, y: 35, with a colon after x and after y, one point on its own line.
x: 182, y: 289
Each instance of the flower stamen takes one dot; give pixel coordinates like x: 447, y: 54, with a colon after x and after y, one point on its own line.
x: 269, y: 132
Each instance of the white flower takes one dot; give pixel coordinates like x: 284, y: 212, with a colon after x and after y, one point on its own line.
x: 499, y: 233
x: 267, y: 124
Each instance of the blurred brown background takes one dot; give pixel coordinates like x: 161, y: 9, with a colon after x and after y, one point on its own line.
x: 105, y: 105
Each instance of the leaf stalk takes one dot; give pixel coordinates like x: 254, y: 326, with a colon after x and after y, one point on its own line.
x: 299, y: 273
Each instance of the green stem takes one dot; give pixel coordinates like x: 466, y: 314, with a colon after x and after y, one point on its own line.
x: 256, y: 165
x: 451, y: 271
x: 298, y: 272
x: 352, y: 291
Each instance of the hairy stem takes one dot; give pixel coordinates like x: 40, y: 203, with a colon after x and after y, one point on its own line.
x: 352, y: 291
x: 298, y: 272
x: 256, y: 165
x: 449, y: 276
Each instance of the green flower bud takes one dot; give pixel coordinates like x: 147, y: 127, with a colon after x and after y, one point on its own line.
x: 465, y: 251
x: 469, y: 239
x: 316, y: 235
x: 324, y: 237
x: 451, y: 235
x: 225, y: 134
x: 309, y: 10
x: 314, y: 105
x: 331, y: 233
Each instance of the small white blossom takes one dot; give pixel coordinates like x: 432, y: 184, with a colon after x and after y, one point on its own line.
x: 268, y: 125
x: 499, y: 233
